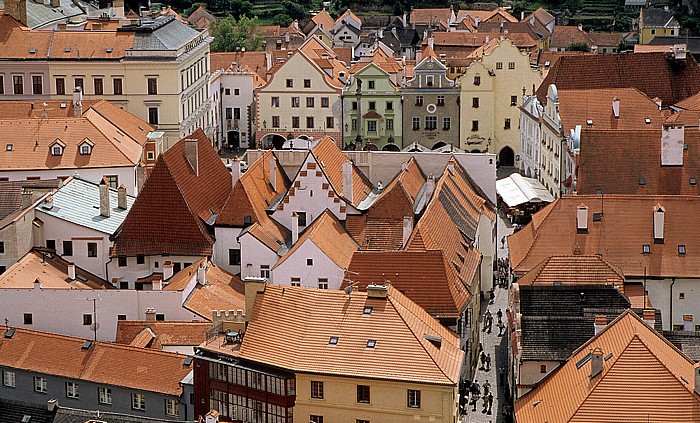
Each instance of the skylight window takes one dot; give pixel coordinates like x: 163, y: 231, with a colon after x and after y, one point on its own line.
x: 109, y: 49
x: 693, y: 181
x: 589, y: 122
x: 333, y: 340
x: 367, y: 311
x: 646, y: 249
x: 371, y: 343
x: 597, y: 217
x: 67, y: 50
x: 642, y: 181
x: 647, y: 121
x: 681, y: 249
x: 9, y: 147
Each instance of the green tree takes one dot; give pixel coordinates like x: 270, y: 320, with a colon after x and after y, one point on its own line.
x: 578, y: 47
x: 294, y: 10
x: 235, y: 35
x: 282, y: 20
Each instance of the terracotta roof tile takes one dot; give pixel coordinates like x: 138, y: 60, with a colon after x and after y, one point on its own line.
x: 690, y: 103
x: 626, y: 225
x: 647, y: 377
x: 573, y: 270
x: 166, y: 333
x: 429, y: 16
x: 51, y: 271
x: 331, y: 159
x: 563, y: 36
x: 654, y: 74
x: 256, y: 61
x: 324, y: 19
x: 103, y: 362
x: 22, y: 109
x: 486, y: 15
x: 397, y: 324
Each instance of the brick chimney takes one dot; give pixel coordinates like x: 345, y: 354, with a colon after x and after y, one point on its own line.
x: 27, y: 197
x: 582, y: 219
x: 235, y: 170
x: 104, y: 197
x: 17, y: 9
x: 616, y: 107
x: 253, y: 286
x: 51, y: 404
x: 688, y: 325
x: 347, y: 181
x: 649, y: 317
x: 202, y: 273
x: 429, y: 188
x: 407, y: 229
x: 658, y: 224
x: 601, y: 321
x: 121, y: 197
x: 192, y: 154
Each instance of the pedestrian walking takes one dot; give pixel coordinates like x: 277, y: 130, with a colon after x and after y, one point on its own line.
x: 489, y: 323
x: 487, y: 387
x: 503, y: 242
x: 485, y: 399
x: 483, y: 361
x: 490, y: 400
x: 501, y: 327
x: 488, y: 362
x: 473, y: 400
x: 477, y: 388
x: 499, y: 313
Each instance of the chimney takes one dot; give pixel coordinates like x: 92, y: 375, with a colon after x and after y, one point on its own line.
x: 600, y: 323
x: 296, y: 24
x: 582, y: 219
x: 407, y: 229
x: 121, y: 197
x: 649, y: 317
x: 295, y: 227
x: 403, y: 20
x: 580, y: 27
x: 253, y: 287
x: 27, y: 199
x: 118, y: 8
x: 697, y: 379
x: 104, y: 197
x: 55, y: 3
x: 273, y: 173
x: 202, y: 273
x: 51, y: 404
x: 77, y: 102
x: 596, y: 362
x: 380, y: 34
x: 235, y: 170
x: 17, y: 9
x: 167, y: 270
x: 157, y: 285
x: 429, y: 188
x: 404, y: 166
x: 377, y: 292
x: 688, y: 325
x: 212, y: 417
x: 659, y: 102
x: 71, y: 271
x: 431, y: 41
x: 192, y: 154
x: 150, y: 314
x: 347, y: 181
x: 616, y: 107
x: 658, y: 224
x: 37, y: 282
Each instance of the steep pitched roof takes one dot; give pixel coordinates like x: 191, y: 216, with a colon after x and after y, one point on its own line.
x: 11, y: 193
x: 169, y: 215
x: 329, y: 235
x: 646, y: 375
x: 397, y: 324
x: 690, y: 103
x: 654, y: 74
x: 641, y: 150
x: 166, y: 333
x: 324, y: 20
x: 486, y: 15
x: 348, y: 14
x: 201, y: 17
x: 573, y: 270
x: 564, y: 35
x: 626, y: 225
x: 102, y: 362
x: 658, y: 18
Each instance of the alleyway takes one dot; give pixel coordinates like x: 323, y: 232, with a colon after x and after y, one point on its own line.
x: 494, y: 345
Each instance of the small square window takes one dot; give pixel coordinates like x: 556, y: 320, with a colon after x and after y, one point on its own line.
x: 499, y: 65
x: 511, y: 65
x: 681, y: 249
x: 370, y: 85
x: 87, y: 319
x: 333, y: 340
x: 597, y: 217
x: 693, y: 181
x: 543, y: 368
x: 646, y: 249
x: 290, y: 83
x: 160, y: 317
x: 121, y: 316
x: 140, y: 259
x: 371, y: 343
x: 28, y: 319
x: 310, y: 262
x: 123, y: 285
x: 121, y: 261
x: 367, y: 310
x: 681, y: 295
x: 642, y: 181
x: 307, y: 83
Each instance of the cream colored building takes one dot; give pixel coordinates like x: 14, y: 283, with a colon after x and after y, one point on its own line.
x: 491, y: 91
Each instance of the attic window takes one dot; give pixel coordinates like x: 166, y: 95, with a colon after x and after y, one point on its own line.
x: 589, y: 122
x: 32, y: 50
x: 681, y: 249
x: 647, y: 121
x: 109, y: 49
x: 247, y: 220
x: 642, y: 181
x: 646, y: 249
x: 371, y: 343
x: 597, y: 217
x: 333, y: 340
x: 10, y: 333
x: 693, y: 181
x: 26, y: 418
x: 9, y: 147
x: 56, y: 150
x: 63, y: 105
x: 685, y: 147
x: 367, y: 311
x: 435, y: 340
x: 607, y: 357
x: 598, y: 191
x: 67, y: 50
x: 86, y: 345
x: 188, y: 361
x: 85, y: 149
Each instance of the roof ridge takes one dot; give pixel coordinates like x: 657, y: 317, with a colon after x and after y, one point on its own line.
x: 657, y: 358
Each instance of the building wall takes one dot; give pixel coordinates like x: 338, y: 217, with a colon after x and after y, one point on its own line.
x: 551, y: 147
x: 486, y: 244
x: 226, y: 238
x: 125, y: 175
x: 61, y: 310
x: 295, y: 266
x: 297, y: 68
x: 648, y: 33
x: 230, y: 81
x: 133, y: 271
x: 26, y: 70
x: 18, y: 239
x: 88, y: 395
x: 530, y: 137
x: 388, y: 401
x: 429, y: 107
x: 530, y: 372
x: 681, y: 295
x: 255, y: 254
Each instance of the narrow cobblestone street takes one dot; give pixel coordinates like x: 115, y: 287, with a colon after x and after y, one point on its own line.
x: 494, y: 345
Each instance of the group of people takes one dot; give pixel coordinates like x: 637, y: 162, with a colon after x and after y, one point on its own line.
x: 502, y: 272
x: 488, y: 322
x: 487, y: 396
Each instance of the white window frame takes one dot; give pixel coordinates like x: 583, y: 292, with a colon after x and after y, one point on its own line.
x: 72, y: 390
x: 138, y: 402
x: 85, y: 149
x: 56, y: 150
x: 104, y: 395
x: 9, y: 379
x: 172, y: 407
x: 414, y: 401
x: 40, y: 384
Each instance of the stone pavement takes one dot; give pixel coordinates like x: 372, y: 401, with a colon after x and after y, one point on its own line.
x: 494, y: 345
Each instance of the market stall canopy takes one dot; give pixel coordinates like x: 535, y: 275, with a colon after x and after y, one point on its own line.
x: 516, y: 190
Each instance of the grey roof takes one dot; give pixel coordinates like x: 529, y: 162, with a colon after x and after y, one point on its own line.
x: 14, y: 411
x: 635, y: 2
x: 162, y: 33
x: 78, y: 202
x: 688, y: 342
x: 70, y: 415
x: 39, y: 14
x: 691, y: 43
x: 659, y: 18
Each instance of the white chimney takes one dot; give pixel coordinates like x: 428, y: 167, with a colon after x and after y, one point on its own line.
x: 404, y: 166
x: 377, y: 291
x: 273, y: 173
x: 451, y: 166
x: 167, y: 270
x: 688, y: 325
x: 71, y: 271
x: 649, y: 317
x: 403, y: 20
x: 202, y: 273
x: 150, y: 314
x: 429, y: 188
x: 27, y: 197
x: 235, y: 171
x: 296, y: 24
x: 580, y: 27
x: 582, y: 218
x: 51, y: 404
x: 295, y: 227
x: 658, y: 223
x: 212, y: 417
x: 157, y: 285
x: 596, y: 362
x: 616, y: 107
x: 599, y: 323
x: 121, y: 197
x: 407, y: 229
x: 37, y: 283
x: 347, y: 181
x: 431, y: 41
x: 104, y: 197
x: 192, y: 154
x: 380, y: 34
x: 77, y: 102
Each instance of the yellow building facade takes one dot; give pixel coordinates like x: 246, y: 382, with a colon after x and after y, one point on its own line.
x: 491, y: 93
x: 389, y: 401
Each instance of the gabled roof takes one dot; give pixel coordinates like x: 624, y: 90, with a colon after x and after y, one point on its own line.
x: 541, y: 15
x: 78, y: 202
x: 398, y: 325
x: 690, y: 103
x: 658, y: 18
x: 11, y: 194
x: 254, y: 60
x: 102, y: 362
x: 626, y: 225
x: 330, y: 159
x: 163, y: 333
x: 348, y: 14
x: 201, y: 17
x: 169, y: 215
x: 574, y: 270
x: 654, y: 74
x: 648, y: 378
x: 324, y: 20
x: 51, y: 271
x: 329, y: 235
x: 487, y: 15
x: 22, y: 109
x: 563, y: 36
x: 380, y: 59
x: 429, y: 16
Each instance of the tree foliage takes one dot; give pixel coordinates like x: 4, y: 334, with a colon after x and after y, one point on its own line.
x: 231, y: 34
x: 578, y: 47
x: 295, y: 10
x: 282, y: 20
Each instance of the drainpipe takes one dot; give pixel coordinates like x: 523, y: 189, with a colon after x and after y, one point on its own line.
x: 670, y: 301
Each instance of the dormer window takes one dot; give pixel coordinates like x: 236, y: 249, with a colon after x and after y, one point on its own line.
x: 85, y: 147
x: 57, y: 147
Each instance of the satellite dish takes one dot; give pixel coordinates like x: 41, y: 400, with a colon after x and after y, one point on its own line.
x: 94, y: 326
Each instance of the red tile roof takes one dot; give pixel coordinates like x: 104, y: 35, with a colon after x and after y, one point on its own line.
x: 429, y: 16
x: 51, y: 271
x: 169, y: 215
x: 626, y: 225
x: 102, y: 363
x: 574, y: 270
x: 256, y: 61
x: 166, y: 333
x: 654, y: 74
x: 643, y: 378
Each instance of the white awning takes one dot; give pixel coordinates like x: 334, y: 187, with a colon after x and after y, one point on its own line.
x: 516, y: 190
